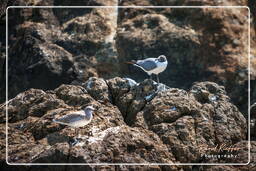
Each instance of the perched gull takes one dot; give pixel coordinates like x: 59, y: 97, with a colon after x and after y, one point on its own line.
x: 152, y: 65
x: 76, y: 119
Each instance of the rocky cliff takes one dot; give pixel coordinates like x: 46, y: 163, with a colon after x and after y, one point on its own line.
x: 63, y: 59
x: 59, y: 46
x: 133, y: 123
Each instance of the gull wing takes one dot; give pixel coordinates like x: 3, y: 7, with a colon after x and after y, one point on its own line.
x: 147, y: 64
x: 73, y: 117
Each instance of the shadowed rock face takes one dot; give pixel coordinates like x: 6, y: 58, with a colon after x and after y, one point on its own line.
x: 211, y: 45
x: 127, y: 127
x: 50, y: 47
x: 253, y: 121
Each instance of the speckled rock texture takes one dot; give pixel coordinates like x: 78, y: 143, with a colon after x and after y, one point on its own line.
x: 127, y: 127
x: 66, y: 59
x: 63, y: 46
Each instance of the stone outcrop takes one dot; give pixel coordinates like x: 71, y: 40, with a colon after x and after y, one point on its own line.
x: 211, y: 45
x: 50, y: 47
x: 133, y: 123
x: 56, y: 57
x: 63, y: 46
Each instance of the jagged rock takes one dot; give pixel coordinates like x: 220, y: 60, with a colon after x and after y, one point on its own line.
x: 98, y: 89
x: 32, y: 128
x: 184, y: 37
x: 183, y: 122
x: 45, y: 65
x: 64, y: 46
x: 58, y: 45
x: 73, y: 95
x: 115, y: 145
x: 70, y: 48
x: 34, y: 102
x: 209, y: 92
x: 131, y: 99
x: 169, y: 128
x: 2, y: 143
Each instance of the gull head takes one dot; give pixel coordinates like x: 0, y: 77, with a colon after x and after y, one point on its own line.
x: 89, y: 108
x: 88, y: 111
x: 161, y: 58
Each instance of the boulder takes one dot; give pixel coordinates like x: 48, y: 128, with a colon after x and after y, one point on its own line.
x: 185, y: 122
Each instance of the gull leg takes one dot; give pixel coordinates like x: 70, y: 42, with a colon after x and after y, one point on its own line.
x: 157, y: 78
x: 75, y: 140
x: 76, y: 131
x: 151, y: 76
x: 79, y: 133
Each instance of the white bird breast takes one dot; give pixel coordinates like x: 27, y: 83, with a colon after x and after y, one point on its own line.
x: 80, y: 123
x: 161, y: 66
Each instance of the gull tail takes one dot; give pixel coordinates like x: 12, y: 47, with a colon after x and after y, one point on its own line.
x: 131, y: 62
x: 54, y: 120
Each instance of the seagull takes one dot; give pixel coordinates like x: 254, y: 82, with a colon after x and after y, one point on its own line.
x: 152, y: 65
x: 76, y: 119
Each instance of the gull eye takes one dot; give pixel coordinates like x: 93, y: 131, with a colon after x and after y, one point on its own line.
x: 161, y: 59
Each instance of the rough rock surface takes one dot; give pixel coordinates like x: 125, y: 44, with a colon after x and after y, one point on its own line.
x: 127, y: 127
x: 212, y: 45
x: 61, y: 46
x: 184, y: 121
x: 50, y: 47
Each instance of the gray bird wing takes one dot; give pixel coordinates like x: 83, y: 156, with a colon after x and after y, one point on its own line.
x: 70, y: 118
x: 147, y: 64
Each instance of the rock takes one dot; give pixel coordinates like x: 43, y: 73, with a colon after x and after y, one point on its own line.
x: 113, y: 145
x: 118, y: 87
x: 53, y: 52
x: 73, y: 95
x: 209, y: 92
x: 169, y: 128
x: 41, y: 128
x: 183, y: 38
x: 98, y: 89
x: 253, y: 121
x: 131, y: 99
x: 184, y: 123
x: 33, y: 102
x: 58, y: 46
x: 2, y: 143
x: 63, y: 46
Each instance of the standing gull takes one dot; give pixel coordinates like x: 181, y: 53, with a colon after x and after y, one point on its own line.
x: 76, y: 119
x: 152, y: 65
